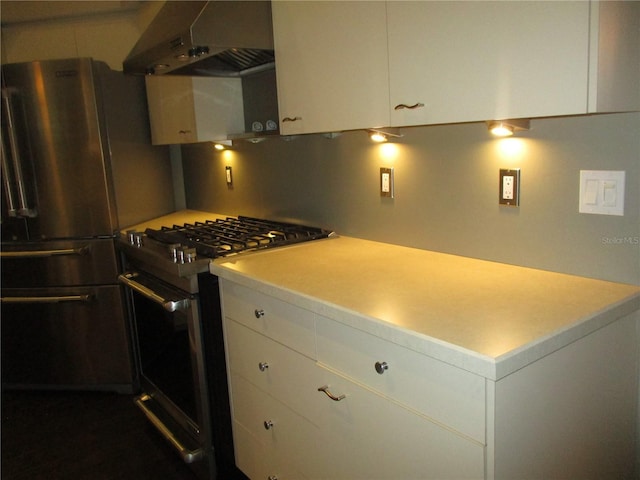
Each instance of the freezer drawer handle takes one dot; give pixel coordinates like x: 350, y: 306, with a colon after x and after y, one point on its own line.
x: 46, y: 253
x: 188, y: 456
x: 168, y: 305
x: 53, y: 299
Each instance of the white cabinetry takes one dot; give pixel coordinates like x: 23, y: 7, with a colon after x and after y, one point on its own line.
x: 338, y: 62
x: 276, y: 374
x: 186, y: 109
x: 331, y: 64
x: 468, y: 61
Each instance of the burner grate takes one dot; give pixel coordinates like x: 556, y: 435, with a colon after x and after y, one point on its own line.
x: 223, y: 237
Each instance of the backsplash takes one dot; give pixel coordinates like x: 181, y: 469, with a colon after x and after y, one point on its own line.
x: 446, y: 190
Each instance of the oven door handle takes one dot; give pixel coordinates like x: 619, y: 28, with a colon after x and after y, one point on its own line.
x: 188, y: 456
x: 168, y: 305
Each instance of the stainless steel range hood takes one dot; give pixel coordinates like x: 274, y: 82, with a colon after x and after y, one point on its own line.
x: 214, y: 38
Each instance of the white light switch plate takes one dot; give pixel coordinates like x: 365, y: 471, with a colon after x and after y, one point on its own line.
x: 602, y: 192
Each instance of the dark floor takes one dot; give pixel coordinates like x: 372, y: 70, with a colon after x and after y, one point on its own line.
x: 82, y: 436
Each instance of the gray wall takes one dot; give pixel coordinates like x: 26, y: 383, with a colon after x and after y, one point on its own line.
x: 446, y: 185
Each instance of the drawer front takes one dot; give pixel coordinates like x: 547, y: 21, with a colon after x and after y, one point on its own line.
x: 368, y: 436
x: 445, y: 393
x: 278, y: 320
x: 289, y: 438
x: 257, y: 461
x: 281, y: 372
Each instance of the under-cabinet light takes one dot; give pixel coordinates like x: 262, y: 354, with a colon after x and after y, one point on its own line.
x: 506, y: 128
x: 382, y: 135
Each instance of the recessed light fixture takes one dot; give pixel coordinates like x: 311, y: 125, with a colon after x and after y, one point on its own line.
x: 506, y: 128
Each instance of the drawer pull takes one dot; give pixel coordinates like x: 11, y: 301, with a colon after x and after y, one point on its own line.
x: 410, y: 107
x: 272, y: 477
x: 268, y: 424
x: 381, y: 367
x: 326, y: 391
x: 263, y: 366
x: 258, y: 313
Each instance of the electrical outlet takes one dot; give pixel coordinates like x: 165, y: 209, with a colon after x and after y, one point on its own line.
x: 227, y: 171
x: 509, y: 187
x: 386, y: 182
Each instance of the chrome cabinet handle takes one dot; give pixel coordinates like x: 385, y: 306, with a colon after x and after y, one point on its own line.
x: 258, y: 313
x: 402, y: 106
x: 263, y: 366
x: 291, y: 119
x: 268, y: 424
x: 381, y: 367
x: 325, y: 390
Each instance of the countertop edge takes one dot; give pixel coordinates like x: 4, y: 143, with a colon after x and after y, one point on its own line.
x: 490, y: 368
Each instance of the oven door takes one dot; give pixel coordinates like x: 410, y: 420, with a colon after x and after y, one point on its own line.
x: 169, y: 354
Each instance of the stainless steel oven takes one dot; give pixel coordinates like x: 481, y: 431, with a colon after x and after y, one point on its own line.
x: 169, y: 350
x: 177, y: 324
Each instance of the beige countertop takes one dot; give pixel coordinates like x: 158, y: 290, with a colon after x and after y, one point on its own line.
x: 488, y: 318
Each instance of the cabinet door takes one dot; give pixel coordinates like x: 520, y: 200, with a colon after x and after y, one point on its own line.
x: 171, y: 110
x: 331, y: 65
x: 470, y: 61
x: 194, y: 109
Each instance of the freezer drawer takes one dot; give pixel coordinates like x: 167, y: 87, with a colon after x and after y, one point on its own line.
x: 59, y: 263
x: 65, y: 338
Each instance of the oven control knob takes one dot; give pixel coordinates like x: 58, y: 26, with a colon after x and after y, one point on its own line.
x: 189, y: 255
x: 131, y: 236
x: 173, y: 251
x: 137, y: 239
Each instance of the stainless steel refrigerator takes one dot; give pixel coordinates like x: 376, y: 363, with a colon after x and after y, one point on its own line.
x: 77, y: 165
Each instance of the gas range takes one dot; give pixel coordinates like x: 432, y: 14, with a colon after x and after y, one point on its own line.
x: 186, y: 250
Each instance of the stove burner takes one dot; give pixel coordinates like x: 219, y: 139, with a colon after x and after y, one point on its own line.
x: 223, y: 237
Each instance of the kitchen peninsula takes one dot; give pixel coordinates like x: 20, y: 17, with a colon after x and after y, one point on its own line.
x: 438, y: 366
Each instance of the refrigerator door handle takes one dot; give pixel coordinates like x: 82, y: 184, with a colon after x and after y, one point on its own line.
x: 84, y: 250
x: 24, y: 210
x: 12, y: 211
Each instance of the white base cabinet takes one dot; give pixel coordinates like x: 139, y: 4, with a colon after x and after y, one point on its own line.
x: 313, y: 398
x: 285, y: 427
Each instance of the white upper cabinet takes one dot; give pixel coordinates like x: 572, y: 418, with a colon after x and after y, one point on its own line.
x: 469, y: 61
x: 331, y: 63
x: 614, y: 73
x: 353, y: 65
x: 186, y: 109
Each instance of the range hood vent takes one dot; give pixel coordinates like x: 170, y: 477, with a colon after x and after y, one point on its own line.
x: 214, y: 38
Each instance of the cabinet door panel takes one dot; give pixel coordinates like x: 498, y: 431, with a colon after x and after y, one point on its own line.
x: 332, y: 65
x: 468, y: 61
x: 367, y: 436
